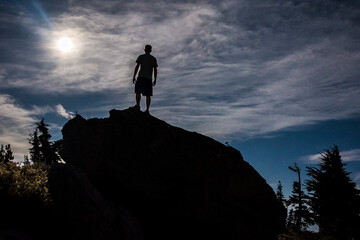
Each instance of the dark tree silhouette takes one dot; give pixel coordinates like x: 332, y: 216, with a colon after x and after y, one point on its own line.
x: 334, y: 198
x: 2, y: 153
x: 280, y: 194
x: 35, y: 154
x: 299, y: 217
x: 26, y: 160
x: 290, y: 221
x: 57, y: 146
x: 48, y: 154
x: 42, y: 150
x: 8, y: 154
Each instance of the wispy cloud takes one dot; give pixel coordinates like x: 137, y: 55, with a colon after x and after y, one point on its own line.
x: 235, y: 69
x: 351, y: 155
x: 346, y: 156
x: 312, y: 159
x: 62, y: 112
x: 16, y: 125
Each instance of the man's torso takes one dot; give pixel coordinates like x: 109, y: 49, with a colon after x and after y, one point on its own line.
x: 147, y: 63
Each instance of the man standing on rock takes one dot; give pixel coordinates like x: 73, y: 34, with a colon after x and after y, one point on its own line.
x: 143, y: 83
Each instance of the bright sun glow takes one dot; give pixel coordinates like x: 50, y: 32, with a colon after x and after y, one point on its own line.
x: 65, y: 44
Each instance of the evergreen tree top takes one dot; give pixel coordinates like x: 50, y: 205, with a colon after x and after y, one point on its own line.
x: 334, y: 198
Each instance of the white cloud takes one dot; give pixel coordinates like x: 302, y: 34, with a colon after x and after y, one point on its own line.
x: 351, y: 155
x: 16, y: 125
x: 312, y: 159
x: 230, y: 70
x: 346, y: 156
x: 106, y: 46
x: 62, y: 112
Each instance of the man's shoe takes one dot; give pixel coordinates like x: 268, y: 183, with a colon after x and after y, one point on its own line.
x: 136, y: 107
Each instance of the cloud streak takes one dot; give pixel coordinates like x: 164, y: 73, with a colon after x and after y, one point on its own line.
x: 16, y: 125
x: 347, y: 156
x: 63, y: 112
x: 235, y: 69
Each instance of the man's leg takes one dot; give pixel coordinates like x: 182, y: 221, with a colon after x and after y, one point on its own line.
x: 138, y: 98
x: 148, y: 101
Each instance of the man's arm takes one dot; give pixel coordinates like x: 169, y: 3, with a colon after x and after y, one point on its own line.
x: 155, y: 76
x: 135, y: 71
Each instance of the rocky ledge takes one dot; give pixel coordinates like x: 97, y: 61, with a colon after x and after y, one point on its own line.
x: 178, y: 184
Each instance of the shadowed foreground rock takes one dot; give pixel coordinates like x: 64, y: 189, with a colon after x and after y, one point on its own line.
x: 178, y: 184
x: 82, y: 213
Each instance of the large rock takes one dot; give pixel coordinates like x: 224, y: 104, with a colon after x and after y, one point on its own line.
x: 179, y: 184
x: 81, y: 212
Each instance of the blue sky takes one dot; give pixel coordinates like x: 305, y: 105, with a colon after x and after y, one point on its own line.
x: 277, y: 79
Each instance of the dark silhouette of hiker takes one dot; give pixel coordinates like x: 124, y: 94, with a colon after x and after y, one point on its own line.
x: 143, y: 83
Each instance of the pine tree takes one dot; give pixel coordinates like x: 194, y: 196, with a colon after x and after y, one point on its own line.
x: 42, y: 150
x: 48, y: 153
x: 290, y: 221
x: 8, y: 154
x: 2, y: 153
x: 26, y: 160
x: 35, y: 154
x: 280, y: 194
x: 301, y: 216
x: 334, y: 198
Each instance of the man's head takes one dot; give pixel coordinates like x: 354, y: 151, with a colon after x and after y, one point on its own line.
x: 147, y: 48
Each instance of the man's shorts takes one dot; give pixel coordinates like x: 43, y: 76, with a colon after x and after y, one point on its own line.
x: 144, y: 86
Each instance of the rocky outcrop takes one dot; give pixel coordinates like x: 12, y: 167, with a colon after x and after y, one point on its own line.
x: 178, y: 184
x: 81, y: 212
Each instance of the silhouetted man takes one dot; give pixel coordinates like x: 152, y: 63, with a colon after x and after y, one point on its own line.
x: 143, y: 83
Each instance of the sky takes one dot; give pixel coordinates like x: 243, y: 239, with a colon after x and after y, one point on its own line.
x: 278, y: 79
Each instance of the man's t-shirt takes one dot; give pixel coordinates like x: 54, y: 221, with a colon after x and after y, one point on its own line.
x: 147, y: 63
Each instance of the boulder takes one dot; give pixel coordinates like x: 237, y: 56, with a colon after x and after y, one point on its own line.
x: 178, y: 184
x: 81, y: 212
